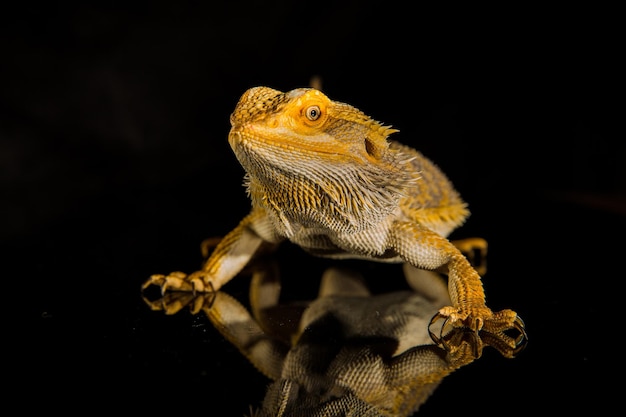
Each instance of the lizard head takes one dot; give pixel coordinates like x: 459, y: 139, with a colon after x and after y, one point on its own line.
x: 306, y: 122
x: 316, y: 161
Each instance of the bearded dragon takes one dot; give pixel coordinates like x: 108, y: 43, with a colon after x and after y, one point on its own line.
x: 326, y: 177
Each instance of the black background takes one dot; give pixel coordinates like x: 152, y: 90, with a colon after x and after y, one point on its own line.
x: 114, y: 165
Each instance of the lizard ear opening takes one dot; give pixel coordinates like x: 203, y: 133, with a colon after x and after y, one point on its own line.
x: 375, y: 148
x: 376, y: 143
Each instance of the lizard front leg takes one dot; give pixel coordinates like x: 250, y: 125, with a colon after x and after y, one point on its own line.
x: 228, y: 258
x: 475, y: 250
x: 426, y: 249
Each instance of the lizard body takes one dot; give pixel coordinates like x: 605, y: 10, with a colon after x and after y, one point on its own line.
x: 325, y: 176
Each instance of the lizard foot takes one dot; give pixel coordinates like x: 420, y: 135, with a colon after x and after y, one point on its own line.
x: 172, y: 302
x: 197, y: 282
x: 490, y: 329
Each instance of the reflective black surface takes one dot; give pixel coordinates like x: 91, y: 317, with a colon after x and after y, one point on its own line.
x: 115, y: 166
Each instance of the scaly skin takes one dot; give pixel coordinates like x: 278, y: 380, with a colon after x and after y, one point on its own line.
x: 325, y: 176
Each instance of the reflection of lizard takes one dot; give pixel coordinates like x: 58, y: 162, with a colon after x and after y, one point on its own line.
x: 325, y: 176
x: 346, y: 353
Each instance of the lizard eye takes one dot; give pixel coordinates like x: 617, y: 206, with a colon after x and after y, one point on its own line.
x: 313, y: 113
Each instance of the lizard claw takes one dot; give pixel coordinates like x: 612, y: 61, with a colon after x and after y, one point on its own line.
x: 521, y: 326
x: 446, y: 328
x: 196, y: 283
x: 487, y: 331
x: 522, y: 338
x: 173, y: 302
x: 179, y: 290
x: 450, y: 337
x: 174, y: 280
x: 437, y: 338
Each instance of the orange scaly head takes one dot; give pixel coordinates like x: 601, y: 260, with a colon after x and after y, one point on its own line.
x: 306, y: 121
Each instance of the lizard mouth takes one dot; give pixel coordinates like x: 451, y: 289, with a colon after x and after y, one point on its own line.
x: 275, y: 146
